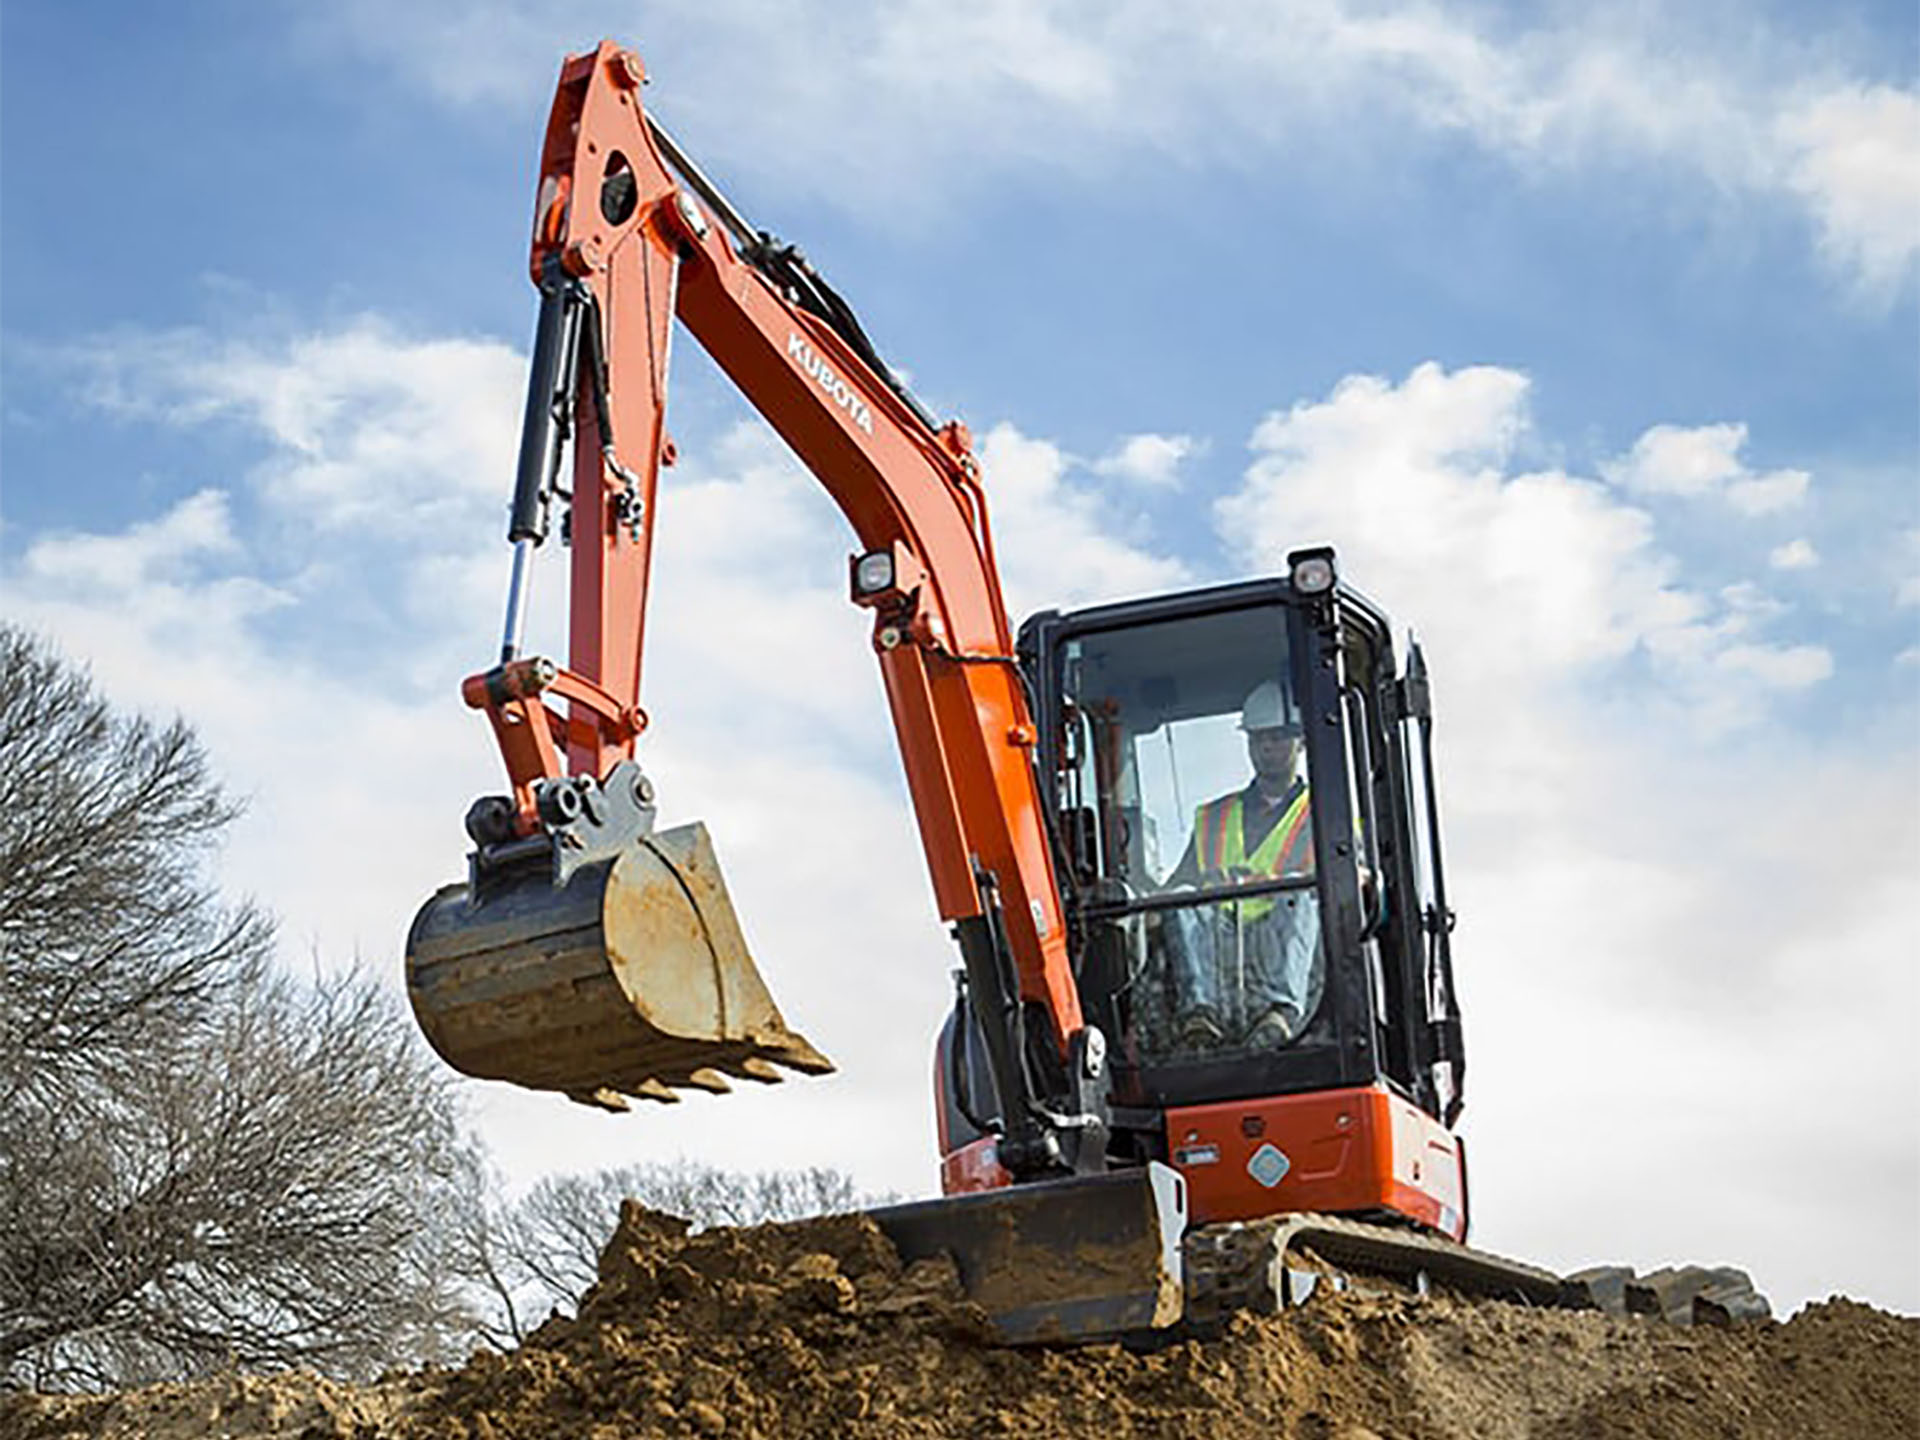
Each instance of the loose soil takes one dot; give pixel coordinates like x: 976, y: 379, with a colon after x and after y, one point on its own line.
x: 817, y: 1330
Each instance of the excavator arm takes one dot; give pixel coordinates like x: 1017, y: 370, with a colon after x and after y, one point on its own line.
x: 628, y: 236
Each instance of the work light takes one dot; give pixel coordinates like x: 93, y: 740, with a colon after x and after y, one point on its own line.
x: 873, y: 572
x: 1311, y: 571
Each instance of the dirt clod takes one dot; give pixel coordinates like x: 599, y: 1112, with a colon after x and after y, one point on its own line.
x: 816, y: 1329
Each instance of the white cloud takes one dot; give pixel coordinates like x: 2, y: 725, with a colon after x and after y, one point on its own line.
x: 1765, y: 494
x: 957, y: 92
x: 198, y: 526
x: 1416, y: 477
x: 1673, y: 460
x: 1148, y: 459
x: 182, y: 576
x: 1746, y: 604
x: 1794, y: 555
x: 1792, y: 667
x: 1856, y: 159
x: 367, y: 430
x: 1058, y: 544
x: 1908, y: 590
x: 1570, y: 574
x: 1704, y: 460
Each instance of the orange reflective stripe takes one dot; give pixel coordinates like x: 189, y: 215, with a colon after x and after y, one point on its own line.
x: 1294, y: 825
x: 1272, y: 856
x: 1214, y: 827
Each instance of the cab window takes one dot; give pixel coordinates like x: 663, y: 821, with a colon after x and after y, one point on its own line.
x: 1183, y: 772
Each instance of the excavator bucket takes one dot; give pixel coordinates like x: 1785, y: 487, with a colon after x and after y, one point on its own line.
x: 626, y: 976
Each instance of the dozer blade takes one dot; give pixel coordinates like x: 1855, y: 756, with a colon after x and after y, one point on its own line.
x: 1059, y: 1261
x: 629, y: 977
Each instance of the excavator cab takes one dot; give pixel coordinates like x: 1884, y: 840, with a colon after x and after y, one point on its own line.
x: 1250, y: 858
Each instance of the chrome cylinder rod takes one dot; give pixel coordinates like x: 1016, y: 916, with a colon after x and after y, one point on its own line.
x: 517, y: 591
x: 743, y: 232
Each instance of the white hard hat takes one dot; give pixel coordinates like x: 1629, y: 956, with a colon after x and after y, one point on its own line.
x: 1266, y: 708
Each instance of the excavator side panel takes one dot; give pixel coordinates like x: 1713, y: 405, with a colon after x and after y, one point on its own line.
x: 1351, y: 1151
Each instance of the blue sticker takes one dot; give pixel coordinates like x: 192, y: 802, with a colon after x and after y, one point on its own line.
x: 1268, y: 1166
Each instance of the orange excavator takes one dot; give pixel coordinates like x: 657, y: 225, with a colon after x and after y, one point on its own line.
x: 1188, y: 845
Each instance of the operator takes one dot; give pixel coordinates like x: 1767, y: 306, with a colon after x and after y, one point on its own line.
x: 1261, y: 832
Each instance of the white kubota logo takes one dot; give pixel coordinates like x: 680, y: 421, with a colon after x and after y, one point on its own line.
x: 842, y: 393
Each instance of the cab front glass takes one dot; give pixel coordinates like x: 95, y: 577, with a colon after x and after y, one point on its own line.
x: 1183, y: 780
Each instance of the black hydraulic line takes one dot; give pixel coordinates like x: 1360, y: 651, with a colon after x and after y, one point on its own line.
x: 597, y: 370
x: 1028, y: 1147
x: 548, y: 421
x: 960, y: 1060
x: 793, y: 274
x: 788, y: 269
x: 744, y: 235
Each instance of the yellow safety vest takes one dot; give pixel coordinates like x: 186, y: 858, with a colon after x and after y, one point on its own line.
x: 1220, y: 838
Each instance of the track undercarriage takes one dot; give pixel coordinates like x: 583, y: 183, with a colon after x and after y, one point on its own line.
x: 1110, y: 1258
x: 1266, y: 1266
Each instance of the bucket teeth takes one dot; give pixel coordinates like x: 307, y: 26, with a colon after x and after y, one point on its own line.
x: 602, y: 1099
x: 664, y: 1088
x: 790, y: 1051
x: 795, y: 1053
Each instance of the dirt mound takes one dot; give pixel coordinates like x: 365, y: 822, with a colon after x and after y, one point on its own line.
x: 816, y: 1329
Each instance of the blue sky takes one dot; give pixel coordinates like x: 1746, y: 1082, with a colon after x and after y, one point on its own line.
x: 1588, y: 335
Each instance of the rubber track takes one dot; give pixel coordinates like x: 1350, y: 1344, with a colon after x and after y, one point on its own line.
x: 1244, y: 1265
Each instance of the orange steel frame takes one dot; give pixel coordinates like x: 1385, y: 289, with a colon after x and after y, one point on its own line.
x: 941, y: 633
x: 1353, y: 1151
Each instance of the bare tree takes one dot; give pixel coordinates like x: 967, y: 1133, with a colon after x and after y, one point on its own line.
x: 203, y: 1161
x: 543, y: 1250
x: 110, y: 936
